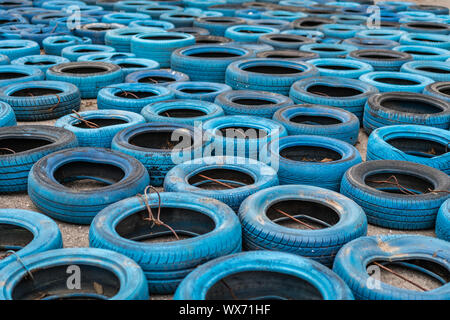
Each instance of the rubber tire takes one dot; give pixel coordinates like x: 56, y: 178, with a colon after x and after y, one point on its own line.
x: 37, y: 59
x: 357, y: 68
x: 211, y: 40
x: 7, y: 115
x: 261, y: 233
x: 88, y: 83
x: 291, y: 55
x: 426, y: 52
x: 416, y: 67
x: 425, y: 27
x: 166, y: 74
x: 46, y: 234
x: 157, y: 161
x: 354, y: 104
x: 351, y: 265
x: 420, y: 81
x: 107, y: 99
x: 130, y: 276
x: 130, y: 65
x: 99, y: 137
x: 443, y: 222
x: 264, y: 177
x: 218, y: 25
x: 204, y: 68
x: 238, y: 78
x: 97, y: 37
x: 329, y: 50
x: 235, y: 32
x: 110, y: 57
x: 396, y: 211
x: 269, y: 102
x: 393, y: 35
x: 369, y: 43
x: 74, y: 52
x: 14, y: 168
x: 166, y: 264
x: 198, y: 90
x: 389, y: 60
x: 80, y: 207
x: 426, y: 39
x: 52, y: 45
x: 42, y: 107
x: 120, y: 39
x: 438, y: 90
x: 29, y: 74
x: 19, y: 48
x: 285, y: 41
x: 346, y: 130
x: 376, y: 115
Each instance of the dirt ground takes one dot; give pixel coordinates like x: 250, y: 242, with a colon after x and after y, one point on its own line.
x: 77, y: 236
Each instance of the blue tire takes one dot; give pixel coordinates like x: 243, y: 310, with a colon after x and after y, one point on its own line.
x: 88, y: 76
x: 14, y: 167
x: 14, y: 49
x: 226, y: 135
x: 370, y: 43
x: 217, y: 233
x: 131, y: 96
x: 96, y: 31
x: 165, y: 25
x: 443, y: 222
x: 7, y: 115
x: 180, y: 18
x: 110, y: 57
x: 284, y: 41
x: 261, y: 275
x: 250, y: 102
x: 263, y: 228
x: 348, y: 94
x: 124, y: 17
x: 158, y: 154
x: 123, y: 176
x: 394, y: 108
x: 120, y: 39
x: 312, y: 160
x: 372, y: 185
x: 129, y: 5
x: 340, y: 31
x: 162, y: 77
x: 255, y: 47
x: 218, y: 25
x: 130, y: 65
x: 355, y: 258
x: 291, y: 55
x: 42, y: 62
x: 26, y: 233
x: 439, y: 90
x: 423, y: 52
x: 109, y: 123
x: 436, y: 70
x: 420, y: 144
x: 329, y: 50
x: 198, y: 90
x: 273, y: 75
x: 386, y: 81
x: 270, y: 23
x: 155, y: 10
x: 319, y: 120
x: 4, y: 59
x: 393, y: 35
x: 247, y: 33
x: 425, y: 27
x: 41, y: 100
x: 74, y: 52
x: 207, y: 62
x: 380, y: 59
x: 426, y: 39
x: 122, y: 278
x: 344, y: 68
x: 54, y: 45
x: 243, y: 176
x: 158, y: 46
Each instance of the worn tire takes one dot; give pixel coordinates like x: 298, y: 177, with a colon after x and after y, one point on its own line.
x: 198, y: 90
x: 7, y: 115
x: 443, y: 222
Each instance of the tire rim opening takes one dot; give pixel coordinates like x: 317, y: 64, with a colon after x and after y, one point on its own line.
x: 220, y: 179
x: 378, y: 56
x: 445, y: 90
x: 162, y: 38
x: 428, y: 40
x: 252, y: 101
x: 325, y: 49
x: 13, y: 237
x: 182, y: 113
x: 197, y: 91
x: 130, y: 65
x: 241, y: 132
x: 135, y: 94
x: 10, y: 146
x: 419, y: 147
x: 301, y: 214
x: 214, y: 54
x: 12, y: 75
x: 310, y: 154
x: 50, y: 283
x: 282, y: 55
x: 60, y: 41
x: 262, y: 285
x: 335, y: 67
x: 314, y: 120
x: 161, y: 140
x: 427, y: 26
x: 399, y: 183
x: 411, y: 106
x: 181, y: 16
x: 83, y: 175
x: 185, y: 222
x: 421, y: 53
x: 397, y: 81
x: 286, y: 39
x: 83, y: 70
x: 333, y: 91
x: 156, y: 79
x: 414, y: 274
x: 39, y: 63
x: 33, y: 92
x: 250, y: 31
x: 268, y: 69
x: 87, y: 50
x: 434, y: 70
x: 100, y: 122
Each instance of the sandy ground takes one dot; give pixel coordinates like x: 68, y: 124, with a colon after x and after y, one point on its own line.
x: 77, y: 236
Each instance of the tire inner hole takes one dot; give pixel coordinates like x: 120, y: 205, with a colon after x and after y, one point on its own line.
x: 397, y: 81
x: 84, y: 175
x: 33, y: 92
x: 186, y: 223
x: 427, y: 26
x: 402, y: 184
x: 252, y: 101
x: 250, y: 31
x: 182, y: 113
x: 197, y: 91
x: 130, y: 65
x: 429, y: 275
x: 272, y: 69
x: 325, y: 49
x: 310, y: 154
x: 100, y: 122
x: 335, y: 67
x: 314, y: 215
x: 333, y: 91
x: 286, y: 39
x: 39, y: 63
x: 421, y: 53
x: 161, y: 140
x: 242, y: 132
x: 83, y: 70
x: 378, y: 56
x: 50, y: 283
x: 419, y: 147
x: 410, y: 106
x: 262, y: 285
x: 282, y: 56
x: 135, y: 94
x: 87, y: 50
x: 314, y: 120
x: 156, y: 79
x: 12, y: 75
x: 21, y: 144
x: 214, y: 54
x: 434, y: 70
x: 227, y: 179
x: 445, y: 91
x: 13, y: 237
